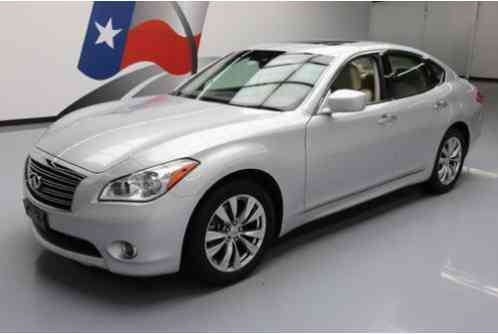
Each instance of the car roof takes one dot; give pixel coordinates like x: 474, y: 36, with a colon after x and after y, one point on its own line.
x: 334, y: 47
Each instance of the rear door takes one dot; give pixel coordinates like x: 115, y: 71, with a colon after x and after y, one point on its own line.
x: 420, y: 104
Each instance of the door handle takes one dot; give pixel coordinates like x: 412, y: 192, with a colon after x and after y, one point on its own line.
x: 387, y: 119
x: 440, y: 105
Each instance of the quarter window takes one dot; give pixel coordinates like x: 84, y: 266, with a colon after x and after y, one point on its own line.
x: 436, y: 73
x: 360, y: 74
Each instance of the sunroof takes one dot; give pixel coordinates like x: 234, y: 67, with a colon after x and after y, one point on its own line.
x: 324, y: 42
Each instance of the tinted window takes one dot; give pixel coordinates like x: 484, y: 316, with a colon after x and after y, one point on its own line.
x: 408, y: 76
x: 259, y: 79
x: 436, y: 73
x: 360, y: 74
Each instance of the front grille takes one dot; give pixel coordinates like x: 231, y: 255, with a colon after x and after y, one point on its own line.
x: 68, y: 242
x: 51, y: 183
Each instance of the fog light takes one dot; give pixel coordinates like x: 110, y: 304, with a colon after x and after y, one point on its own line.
x: 122, y: 250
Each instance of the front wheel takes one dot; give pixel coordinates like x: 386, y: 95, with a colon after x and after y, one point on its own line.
x: 229, y: 232
x: 449, y: 162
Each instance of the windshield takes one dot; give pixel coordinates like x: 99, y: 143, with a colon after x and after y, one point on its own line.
x: 266, y: 79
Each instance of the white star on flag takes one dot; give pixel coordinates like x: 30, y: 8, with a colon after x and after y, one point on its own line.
x: 107, y: 33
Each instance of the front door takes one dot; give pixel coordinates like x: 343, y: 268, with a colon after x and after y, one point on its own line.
x: 348, y: 153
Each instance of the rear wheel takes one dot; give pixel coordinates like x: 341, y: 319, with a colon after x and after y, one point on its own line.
x: 449, y: 162
x: 229, y: 232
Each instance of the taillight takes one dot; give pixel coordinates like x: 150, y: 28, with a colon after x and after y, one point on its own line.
x: 478, y: 97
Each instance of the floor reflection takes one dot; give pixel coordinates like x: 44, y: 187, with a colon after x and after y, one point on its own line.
x: 467, y: 280
x: 95, y: 283
x: 472, y: 248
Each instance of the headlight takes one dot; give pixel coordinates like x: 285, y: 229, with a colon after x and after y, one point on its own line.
x: 148, y: 184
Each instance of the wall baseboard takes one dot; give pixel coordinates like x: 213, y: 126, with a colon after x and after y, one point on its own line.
x: 484, y: 79
x: 24, y: 121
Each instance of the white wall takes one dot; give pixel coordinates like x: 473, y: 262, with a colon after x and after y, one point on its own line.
x: 397, y: 22
x: 448, y: 32
x: 233, y: 25
x: 485, y: 59
x: 41, y: 43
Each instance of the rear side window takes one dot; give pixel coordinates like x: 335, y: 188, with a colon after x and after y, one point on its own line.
x: 408, y: 76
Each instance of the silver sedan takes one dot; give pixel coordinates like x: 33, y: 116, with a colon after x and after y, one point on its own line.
x: 254, y: 145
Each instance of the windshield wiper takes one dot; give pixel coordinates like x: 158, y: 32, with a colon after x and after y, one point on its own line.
x: 213, y: 99
x: 270, y: 108
x: 256, y: 107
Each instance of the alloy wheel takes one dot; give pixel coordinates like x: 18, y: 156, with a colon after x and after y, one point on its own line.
x: 235, y: 233
x: 450, y: 159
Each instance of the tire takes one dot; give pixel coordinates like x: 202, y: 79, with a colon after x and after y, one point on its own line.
x: 207, y: 260
x: 437, y: 184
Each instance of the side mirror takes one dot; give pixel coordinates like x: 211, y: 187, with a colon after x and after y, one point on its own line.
x: 345, y: 100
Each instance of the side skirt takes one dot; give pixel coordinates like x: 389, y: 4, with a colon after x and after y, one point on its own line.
x: 356, y: 198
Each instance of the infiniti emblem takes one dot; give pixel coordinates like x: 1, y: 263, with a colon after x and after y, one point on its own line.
x: 34, y: 181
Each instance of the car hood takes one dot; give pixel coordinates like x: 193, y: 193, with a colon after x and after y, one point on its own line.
x: 98, y: 137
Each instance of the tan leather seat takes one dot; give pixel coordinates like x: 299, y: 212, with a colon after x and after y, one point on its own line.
x: 350, y: 78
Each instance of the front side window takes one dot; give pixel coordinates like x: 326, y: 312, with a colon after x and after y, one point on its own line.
x: 266, y: 79
x: 407, y: 76
x: 360, y: 74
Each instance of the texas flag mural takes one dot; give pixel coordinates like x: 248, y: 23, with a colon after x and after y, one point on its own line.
x: 123, y: 33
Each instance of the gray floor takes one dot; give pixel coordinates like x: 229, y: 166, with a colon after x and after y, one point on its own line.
x: 403, y: 262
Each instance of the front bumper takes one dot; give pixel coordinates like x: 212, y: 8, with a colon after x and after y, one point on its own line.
x: 155, y: 228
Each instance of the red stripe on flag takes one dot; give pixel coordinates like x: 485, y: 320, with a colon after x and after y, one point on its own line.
x: 157, y: 42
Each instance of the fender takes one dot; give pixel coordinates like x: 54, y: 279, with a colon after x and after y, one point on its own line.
x: 244, y: 156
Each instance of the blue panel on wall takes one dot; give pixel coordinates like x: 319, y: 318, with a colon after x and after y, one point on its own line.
x: 105, y: 39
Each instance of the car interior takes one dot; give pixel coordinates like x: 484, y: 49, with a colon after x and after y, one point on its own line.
x: 360, y: 74
x: 408, y: 76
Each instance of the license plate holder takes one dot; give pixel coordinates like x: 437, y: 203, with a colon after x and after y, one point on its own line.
x: 37, y: 215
